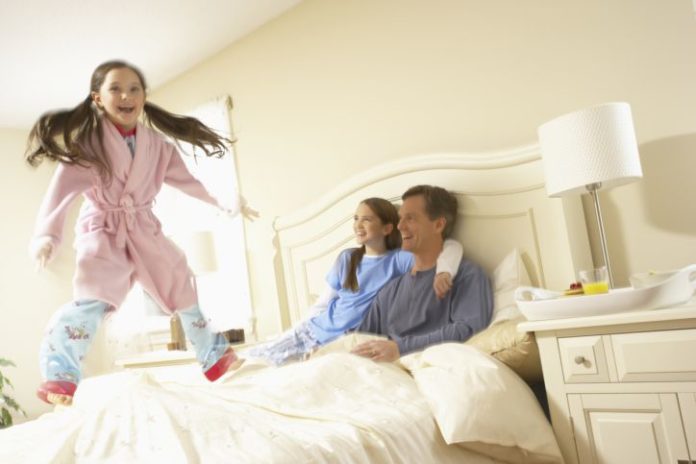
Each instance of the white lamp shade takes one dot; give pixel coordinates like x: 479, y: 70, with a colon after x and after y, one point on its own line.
x: 199, y: 248
x: 594, y: 145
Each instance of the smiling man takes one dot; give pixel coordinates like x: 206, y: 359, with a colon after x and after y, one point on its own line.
x: 406, y: 309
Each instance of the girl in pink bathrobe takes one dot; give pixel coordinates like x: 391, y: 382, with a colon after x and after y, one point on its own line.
x: 118, y: 165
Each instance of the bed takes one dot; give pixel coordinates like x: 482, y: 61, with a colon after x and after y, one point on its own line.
x: 458, y: 403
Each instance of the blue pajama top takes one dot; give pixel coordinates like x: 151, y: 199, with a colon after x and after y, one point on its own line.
x: 347, y: 309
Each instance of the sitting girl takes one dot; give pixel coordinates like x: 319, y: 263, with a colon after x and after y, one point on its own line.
x: 353, y: 282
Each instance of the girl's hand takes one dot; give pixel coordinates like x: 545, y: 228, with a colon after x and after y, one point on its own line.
x: 244, y: 209
x: 42, y: 254
x: 248, y: 212
x: 442, y: 284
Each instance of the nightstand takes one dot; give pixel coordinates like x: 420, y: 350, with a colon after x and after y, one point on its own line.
x: 164, y: 363
x: 159, y: 358
x: 622, y: 387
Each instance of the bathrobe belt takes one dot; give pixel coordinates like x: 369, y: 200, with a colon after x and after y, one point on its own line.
x: 126, y: 211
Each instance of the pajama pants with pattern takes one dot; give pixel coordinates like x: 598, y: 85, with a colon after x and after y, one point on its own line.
x: 293, y: 345
x: 72, y: 328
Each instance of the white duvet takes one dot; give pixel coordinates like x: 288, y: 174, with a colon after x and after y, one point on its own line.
x: 336, y: 408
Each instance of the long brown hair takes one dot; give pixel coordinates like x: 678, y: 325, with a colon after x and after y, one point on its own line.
x: 75, y: 127
x: 387, y: 214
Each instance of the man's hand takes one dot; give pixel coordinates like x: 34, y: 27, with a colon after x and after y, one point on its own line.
x: 378, y: 350
x: 442, y: 284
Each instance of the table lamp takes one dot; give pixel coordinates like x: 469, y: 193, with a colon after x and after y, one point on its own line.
x: 589, y: 150
x: 199, y: 248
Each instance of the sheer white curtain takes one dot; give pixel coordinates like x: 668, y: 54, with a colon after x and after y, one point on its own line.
x: 223, y: 295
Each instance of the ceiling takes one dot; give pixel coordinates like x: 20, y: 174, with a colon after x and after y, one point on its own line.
x: 49, y: 48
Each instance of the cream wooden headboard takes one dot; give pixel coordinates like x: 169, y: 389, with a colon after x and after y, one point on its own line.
x: 502, y: 205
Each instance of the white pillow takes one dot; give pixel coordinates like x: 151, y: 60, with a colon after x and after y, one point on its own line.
x: 480, y: 404
x: 517, y: 350
x: 509, y: 275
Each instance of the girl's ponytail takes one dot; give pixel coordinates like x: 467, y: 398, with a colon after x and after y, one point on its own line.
x: 63, y: 135
x: 185, y: 129
x: 356, y: 256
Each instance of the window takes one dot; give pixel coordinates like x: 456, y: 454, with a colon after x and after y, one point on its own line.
x: 223, y: 295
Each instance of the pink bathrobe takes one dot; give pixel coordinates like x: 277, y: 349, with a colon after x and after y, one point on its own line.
x: 118, y: 238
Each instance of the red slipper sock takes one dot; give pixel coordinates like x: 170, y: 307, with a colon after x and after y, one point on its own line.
x: 59, y: 387
x: 228, y: 359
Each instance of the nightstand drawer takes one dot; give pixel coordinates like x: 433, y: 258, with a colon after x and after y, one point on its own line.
x: 583, y: 359
x: 666, y: 355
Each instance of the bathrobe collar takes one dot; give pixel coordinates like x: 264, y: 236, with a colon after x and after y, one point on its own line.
x: 131, y: 169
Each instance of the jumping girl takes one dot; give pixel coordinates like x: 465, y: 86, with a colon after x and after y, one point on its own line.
x: 118, y: 164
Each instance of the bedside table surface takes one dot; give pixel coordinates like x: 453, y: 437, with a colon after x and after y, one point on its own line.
x: 167, y: 358
x: 685, y: 311
x: 159, y: 357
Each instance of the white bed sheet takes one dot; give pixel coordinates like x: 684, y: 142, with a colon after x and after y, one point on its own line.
x: 337, y: 408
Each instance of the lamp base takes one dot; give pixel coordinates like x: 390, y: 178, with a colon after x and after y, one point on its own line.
x: 174, y: 346
x: 178, y: 342
x: 593, y: 191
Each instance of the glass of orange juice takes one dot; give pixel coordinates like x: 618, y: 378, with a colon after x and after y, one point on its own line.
x: 594, y: 281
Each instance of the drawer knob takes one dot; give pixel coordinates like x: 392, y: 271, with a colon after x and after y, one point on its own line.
x: 581, y: 360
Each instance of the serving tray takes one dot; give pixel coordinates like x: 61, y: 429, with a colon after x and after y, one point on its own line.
x: 648, y: 291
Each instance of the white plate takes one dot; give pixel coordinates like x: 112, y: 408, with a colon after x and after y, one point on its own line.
x: 650, y: 291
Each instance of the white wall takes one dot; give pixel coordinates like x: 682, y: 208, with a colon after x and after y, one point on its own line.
x: 333, y: 87
x: 27, y: 299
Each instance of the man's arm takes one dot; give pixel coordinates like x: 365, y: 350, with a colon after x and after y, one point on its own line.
x: 470, y: 308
